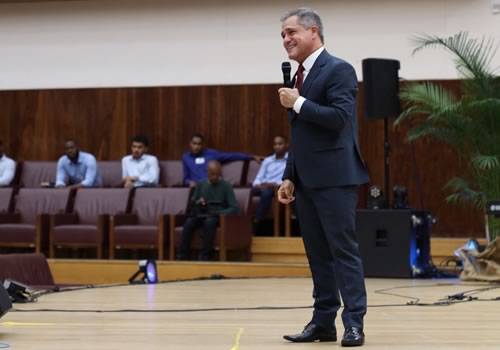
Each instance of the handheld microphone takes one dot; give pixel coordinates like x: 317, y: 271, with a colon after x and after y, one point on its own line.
x: 286, y: 68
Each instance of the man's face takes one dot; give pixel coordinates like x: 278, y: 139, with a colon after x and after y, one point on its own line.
x: 298, y: 41
x: 71, y: 149
x: 280, y: 146
x: 138, y: 149
x: 196, y: 145
x: 214, y: 173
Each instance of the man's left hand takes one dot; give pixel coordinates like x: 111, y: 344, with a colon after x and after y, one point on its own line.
x: 288, y: 97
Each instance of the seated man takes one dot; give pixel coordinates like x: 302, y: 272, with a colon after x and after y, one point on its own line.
x: 269, y: 177
x: 7, y: 168
x: 140, y: 169
x: 76, y: 168
x: 211, y: 198
x: 195, y: 161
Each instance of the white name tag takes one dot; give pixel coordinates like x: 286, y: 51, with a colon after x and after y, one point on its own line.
x: 200, y: 160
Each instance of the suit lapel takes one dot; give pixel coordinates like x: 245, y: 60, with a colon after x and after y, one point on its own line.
x: 311, y: 76
x: 315, y: 70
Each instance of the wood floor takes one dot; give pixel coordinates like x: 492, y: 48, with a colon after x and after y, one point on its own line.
x: 473, y: 325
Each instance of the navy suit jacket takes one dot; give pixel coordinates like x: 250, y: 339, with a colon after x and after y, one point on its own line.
x: 324, y: 151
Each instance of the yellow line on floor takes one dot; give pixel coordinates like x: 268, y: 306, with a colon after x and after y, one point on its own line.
x: 9, y: 323
x: 237, y: 340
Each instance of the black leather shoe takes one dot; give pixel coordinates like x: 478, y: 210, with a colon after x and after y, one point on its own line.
x: 312, y: 333
x: 353, y: 336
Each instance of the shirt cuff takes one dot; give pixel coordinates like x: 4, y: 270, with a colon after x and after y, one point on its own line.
x: 298, y: 104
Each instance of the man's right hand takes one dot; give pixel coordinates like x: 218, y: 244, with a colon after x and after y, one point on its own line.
x: 128, y: 184
x: 285, y: 192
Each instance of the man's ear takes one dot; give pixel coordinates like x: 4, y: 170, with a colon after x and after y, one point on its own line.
x: 315, y: 31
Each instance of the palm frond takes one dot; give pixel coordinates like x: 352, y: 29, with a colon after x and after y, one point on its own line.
x: 485, y: 162
x: 435, y: 111
x: 430, y: 100
x: 445, y: 135
x: 491, y: 103
x: 472, y: 57
x: 464, y: 193
x: 428, y: 94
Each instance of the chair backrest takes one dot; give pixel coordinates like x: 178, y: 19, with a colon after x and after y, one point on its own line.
x: 150, y: 203
x: 35, y: 172
x: 233, y: 172
x: 171, y: 173
x: 243, y: 196
x: 30, y: 202
x: 92, y: 202
x: 253, y: 170
x: 111, y: 172
x: 5, y: 199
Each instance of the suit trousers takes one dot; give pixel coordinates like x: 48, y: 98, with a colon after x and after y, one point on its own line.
x: 327, y: 223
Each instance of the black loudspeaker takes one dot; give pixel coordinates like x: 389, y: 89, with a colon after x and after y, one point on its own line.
x: 5, y: 303
x: 381, y: 88
x: 394, y: 243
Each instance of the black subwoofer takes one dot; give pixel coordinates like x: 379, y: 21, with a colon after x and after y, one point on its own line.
x: 394, y: 243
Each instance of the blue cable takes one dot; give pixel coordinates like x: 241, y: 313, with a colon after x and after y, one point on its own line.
x: 4, y: 346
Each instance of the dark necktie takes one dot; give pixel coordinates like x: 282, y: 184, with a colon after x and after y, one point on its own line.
x: 300, y: 77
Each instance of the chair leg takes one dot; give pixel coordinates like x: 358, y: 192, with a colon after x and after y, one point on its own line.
x: 288, y: 221
x: 276, y: 210
x: 171, y: 235
x: 111, y: 248
x: 51, y: 237
x: 51, y: 251
x: 161, y: 237
x: 38, y: 234
x: 222, y: 254
x: 222, y: 241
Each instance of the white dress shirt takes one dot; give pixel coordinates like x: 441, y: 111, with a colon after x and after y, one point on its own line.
x: 145, y: 168
x: 271, y: 170
x: 7, y: 170
x: 307, y: 64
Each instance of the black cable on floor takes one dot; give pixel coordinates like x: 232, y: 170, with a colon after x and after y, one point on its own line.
x: 457, y: 298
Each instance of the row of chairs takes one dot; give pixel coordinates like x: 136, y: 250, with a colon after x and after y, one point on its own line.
x: 112, y: 218
x: 32, y: 174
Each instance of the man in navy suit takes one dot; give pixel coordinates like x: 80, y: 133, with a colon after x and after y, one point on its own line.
x: 324, y: 170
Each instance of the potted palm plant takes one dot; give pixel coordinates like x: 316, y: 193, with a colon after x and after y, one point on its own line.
x: 469, y: 121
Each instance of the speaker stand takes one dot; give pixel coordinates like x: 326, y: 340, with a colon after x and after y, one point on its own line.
x: 387, y: 155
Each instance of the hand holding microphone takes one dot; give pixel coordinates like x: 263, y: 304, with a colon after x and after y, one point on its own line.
x: 286, y: 68
x: 288, y: 96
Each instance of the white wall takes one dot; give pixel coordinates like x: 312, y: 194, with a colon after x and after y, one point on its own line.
x: 205, y: 42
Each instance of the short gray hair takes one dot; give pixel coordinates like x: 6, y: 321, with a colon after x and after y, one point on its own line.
x: 306, y: 18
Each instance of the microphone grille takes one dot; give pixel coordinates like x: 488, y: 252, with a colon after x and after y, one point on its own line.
x: 286, y: 67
